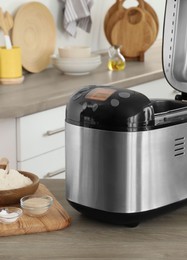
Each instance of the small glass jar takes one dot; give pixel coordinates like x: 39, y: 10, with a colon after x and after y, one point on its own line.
x: 116, y: 60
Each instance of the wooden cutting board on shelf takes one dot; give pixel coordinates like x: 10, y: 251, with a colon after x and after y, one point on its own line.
x: 134, y: 29
x: 134, y: 32
x: 55, y: 219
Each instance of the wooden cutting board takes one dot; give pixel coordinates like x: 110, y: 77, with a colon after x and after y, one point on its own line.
x: 133, y: 32
x: 117, y: 15
x: 55, y: 219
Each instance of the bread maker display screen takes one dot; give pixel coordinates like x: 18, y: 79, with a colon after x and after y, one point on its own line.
x: 100, y: 94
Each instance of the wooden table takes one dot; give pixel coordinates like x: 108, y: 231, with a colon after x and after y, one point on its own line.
x: 164, y: 237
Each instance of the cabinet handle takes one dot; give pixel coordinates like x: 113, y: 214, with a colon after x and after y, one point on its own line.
x: 51, y: 174
x: 56, y: 131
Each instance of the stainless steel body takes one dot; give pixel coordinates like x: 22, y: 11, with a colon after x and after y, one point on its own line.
x: 126, y: 172
x: 175, y: 44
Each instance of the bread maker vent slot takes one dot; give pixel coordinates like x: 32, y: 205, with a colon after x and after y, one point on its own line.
x: 173, y: 21
x: 179, y: 147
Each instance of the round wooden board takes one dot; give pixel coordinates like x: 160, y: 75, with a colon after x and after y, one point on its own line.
x: 34, y: 31
x: 134, y: 38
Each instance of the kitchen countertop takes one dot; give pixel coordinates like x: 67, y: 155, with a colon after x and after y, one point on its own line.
x: 51, y: 88
x: 164, y: 237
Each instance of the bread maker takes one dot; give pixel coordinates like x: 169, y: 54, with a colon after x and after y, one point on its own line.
x: 125, y: 153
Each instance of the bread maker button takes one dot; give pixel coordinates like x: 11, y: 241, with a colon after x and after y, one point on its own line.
x: 114, y: 102
x: 124, y: 95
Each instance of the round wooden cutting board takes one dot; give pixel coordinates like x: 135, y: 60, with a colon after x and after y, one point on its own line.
x: 34, y: 31
x: 133, y: 33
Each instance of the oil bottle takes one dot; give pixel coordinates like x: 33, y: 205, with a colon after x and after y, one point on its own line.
x: 116, y: 60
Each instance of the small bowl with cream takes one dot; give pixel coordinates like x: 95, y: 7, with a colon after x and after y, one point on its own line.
x: 9, y: 215
x: 36, y: 206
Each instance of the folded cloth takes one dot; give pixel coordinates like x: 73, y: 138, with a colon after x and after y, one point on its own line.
x: 77, y: 13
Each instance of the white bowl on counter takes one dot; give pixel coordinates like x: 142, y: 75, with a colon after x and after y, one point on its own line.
x: 76, y: 66
x: 74, y: 52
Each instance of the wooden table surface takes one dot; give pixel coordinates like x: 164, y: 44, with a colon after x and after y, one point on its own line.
x: 164, y: 237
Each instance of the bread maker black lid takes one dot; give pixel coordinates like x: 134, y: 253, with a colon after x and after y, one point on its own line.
x: 109, y: 108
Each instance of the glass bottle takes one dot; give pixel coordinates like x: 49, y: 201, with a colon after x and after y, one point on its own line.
x: 116, y: 60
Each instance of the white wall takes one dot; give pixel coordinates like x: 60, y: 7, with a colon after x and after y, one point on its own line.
x: 96, y: 38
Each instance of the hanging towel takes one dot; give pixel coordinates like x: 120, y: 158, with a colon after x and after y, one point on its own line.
x: 77, y: 13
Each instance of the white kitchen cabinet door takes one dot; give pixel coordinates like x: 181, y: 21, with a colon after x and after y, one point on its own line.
x: 8, y: 140
x: 40, y: 133
x: 49, y: 165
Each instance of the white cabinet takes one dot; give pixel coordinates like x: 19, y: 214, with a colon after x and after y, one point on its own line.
x: 41, y: 143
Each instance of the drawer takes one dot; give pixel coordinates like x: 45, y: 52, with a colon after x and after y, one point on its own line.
x: 49, y: 165
x: 40, y: 133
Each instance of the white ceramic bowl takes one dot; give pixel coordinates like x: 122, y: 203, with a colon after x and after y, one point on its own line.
x: 92, y: 58
x: 77, y: 67
x: 74, y: 52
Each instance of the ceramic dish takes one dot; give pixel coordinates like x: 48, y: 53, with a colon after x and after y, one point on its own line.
x: 10, y: 197
x: 75, y: 68
x: 10, y: 215
x: 74, y: 52
x: 91, y: 58
x: 36, y: 206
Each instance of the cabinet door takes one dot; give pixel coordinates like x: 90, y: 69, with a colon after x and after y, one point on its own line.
x: 8, y: 140
x: 49, y: 165
x: 40, y: 133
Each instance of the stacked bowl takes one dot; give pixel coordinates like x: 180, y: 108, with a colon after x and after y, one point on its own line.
x: 76, y: 60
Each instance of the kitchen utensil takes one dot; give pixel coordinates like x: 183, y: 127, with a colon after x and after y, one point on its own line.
x: 36, y: 206
x: 118, y: 15
x: 8, y: 21
x: 5, y: 28
x: 152, y: 12
x: 3, y: 163
x: 110, y: 12
x: 114, y: 17
x: 10, y: 215
x: 10, y: 63
x: 133, y: 33
x: 74, y: 52
x: 34, y: 31
x: 56, y: 219
x: 116, y: 60
x: 76, y: 66
x: 174, y: 45
x: 10, y: 197
x: 127, y: 147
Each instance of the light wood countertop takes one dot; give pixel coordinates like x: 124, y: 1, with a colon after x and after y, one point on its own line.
x: 51, y: 88
x: 161, y: 238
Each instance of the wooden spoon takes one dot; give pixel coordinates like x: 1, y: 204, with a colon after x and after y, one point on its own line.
x: 4, y: 164
x: 8, y: 21
x: 2, y: 22
x: 5, y: 23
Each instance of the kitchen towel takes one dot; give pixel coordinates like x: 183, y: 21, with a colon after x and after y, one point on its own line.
x: 77, y: 13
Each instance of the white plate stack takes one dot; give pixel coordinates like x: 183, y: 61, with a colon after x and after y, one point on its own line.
x: 78, y: 65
